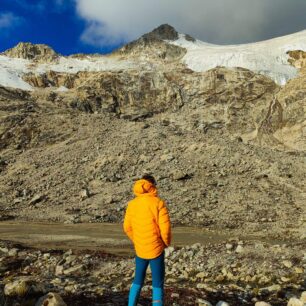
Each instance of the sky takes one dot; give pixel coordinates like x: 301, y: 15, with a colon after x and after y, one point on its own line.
x: 99, y: 26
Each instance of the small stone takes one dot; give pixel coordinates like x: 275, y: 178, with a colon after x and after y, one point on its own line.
x: 51, y: 299
x: 4, y: 250
x: 59, y: 270
x: 175, y: 295
x: 287, y: 263
x: 295, y: 302
x: 74, y: 270
x: 229, y: 246
x: 169, y: 251
x: 13, y: 252
x: 299, y: 270
x: 303, y: 297
x: 202, y: 302
x: 285, y: 279
x: 46, y: 256
x: 262, y: 304
x: 36, y: 199
x: 70, y: 259
x: 201, y: 275
x: 181, y: 175
x: 220, y: 278
x: 273, y: 288
x: 222, y: 303
x: 239, y: 249
x: 84, y: 194
x: 17, y: 200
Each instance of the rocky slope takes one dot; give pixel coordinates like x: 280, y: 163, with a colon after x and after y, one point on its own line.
x: 227, y: 145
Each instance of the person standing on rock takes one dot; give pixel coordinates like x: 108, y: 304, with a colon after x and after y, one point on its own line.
x: 147, y: 224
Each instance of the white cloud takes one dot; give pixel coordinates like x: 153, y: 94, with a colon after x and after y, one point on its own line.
x: 9, y: 20
x: 217, y: 21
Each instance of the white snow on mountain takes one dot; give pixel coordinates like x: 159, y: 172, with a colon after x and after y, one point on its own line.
x: 74, y: 65
x: 266, y: 57
x: 12, y: 69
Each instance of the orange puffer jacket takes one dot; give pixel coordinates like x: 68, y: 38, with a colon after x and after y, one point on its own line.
x: 147, y: 222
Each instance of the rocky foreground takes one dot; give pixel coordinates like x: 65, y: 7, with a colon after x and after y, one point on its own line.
x: 229, y: 273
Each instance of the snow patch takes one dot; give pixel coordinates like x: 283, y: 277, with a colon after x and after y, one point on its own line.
x: 11, y: 71
x: 266, y: 57
x: 74, y: 65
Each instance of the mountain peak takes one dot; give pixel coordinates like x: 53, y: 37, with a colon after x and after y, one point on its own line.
x: 27, y: 50
x: 163, y: 32
x: 154, y: 45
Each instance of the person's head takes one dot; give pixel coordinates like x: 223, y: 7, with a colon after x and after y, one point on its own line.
x: 150, y: 178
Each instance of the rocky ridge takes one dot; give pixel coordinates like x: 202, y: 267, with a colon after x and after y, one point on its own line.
x: 37, y: 52
x: 153, y: 45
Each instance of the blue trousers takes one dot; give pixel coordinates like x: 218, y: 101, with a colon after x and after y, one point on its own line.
x: 157, y: 266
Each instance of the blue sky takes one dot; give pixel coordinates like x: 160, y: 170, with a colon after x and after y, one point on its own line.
x: 50, y: 22
x: 89, y: 26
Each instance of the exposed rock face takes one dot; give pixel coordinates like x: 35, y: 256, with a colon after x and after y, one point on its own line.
x: 297, y: 58
x: 291, y: 105
x: 37, y: 52
x: 234, y: 98
x: 152, y: 45
x: 164, y: 31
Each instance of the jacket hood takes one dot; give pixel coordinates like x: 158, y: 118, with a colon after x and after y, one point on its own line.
x: 144, y: 187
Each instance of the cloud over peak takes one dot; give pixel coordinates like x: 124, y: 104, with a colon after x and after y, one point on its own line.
x: 215, y: 21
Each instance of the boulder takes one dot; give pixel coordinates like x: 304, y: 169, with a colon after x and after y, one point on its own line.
x: 222, y: 303
x: 295, y: 302
x: 22, y: 287
x: 51, y: 299
x: 303, y: 297
x: 202, y: 302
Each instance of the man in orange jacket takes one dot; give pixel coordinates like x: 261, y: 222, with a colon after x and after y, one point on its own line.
x: 147, y: 224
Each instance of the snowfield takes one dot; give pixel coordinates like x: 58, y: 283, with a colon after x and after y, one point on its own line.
x: 266, y: 57
x: 12, y: 69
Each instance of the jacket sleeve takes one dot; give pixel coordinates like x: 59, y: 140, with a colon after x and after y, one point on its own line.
x: 164, y: 223
x: 127, y: 223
